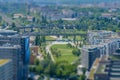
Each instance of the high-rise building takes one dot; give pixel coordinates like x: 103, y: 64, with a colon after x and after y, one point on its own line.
x: 16, y: 48
x: 89, y: 54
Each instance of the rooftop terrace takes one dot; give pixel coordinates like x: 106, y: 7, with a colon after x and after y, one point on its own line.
x: 91, y: 75
x: 102, y: 65
x: 101, y: 68
x: 115, y: 57
x: 3, y: 61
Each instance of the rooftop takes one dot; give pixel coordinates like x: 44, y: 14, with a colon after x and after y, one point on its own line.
x: 101, y: 68
x: 89, y: 46
x: 115, y: 57
x: 3, y: 31
x: 100, y: 31
x: 4, y: 61
x: 102, y: 65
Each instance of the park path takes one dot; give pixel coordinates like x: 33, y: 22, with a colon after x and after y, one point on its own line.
x: 53, y: 43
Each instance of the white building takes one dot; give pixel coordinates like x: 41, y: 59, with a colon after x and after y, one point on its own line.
x: 96, y: 36
x: 101, y: 43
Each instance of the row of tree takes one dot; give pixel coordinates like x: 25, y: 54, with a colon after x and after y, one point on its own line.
x: 61, y: 70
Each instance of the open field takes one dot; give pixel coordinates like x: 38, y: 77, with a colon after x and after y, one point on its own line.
x: 50, y: 38
x: 77, y: 37
x: 66, y: 53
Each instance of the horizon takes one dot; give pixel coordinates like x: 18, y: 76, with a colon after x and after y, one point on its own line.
x: 62, y: 1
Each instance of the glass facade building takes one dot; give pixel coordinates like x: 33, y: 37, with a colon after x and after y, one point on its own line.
x: 16, y: 48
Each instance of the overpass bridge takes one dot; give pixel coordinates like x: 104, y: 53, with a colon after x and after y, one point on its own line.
x: 49, y: 26
x: 52, y: 31
x: 56, y: 32
x: 53, y: 34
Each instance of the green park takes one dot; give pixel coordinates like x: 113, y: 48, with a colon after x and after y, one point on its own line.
x: 64, y: 52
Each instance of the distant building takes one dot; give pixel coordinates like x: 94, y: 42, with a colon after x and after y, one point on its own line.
x: 30, y: 18
x: 15, y: 16
x: 51, y: 13
x: 68, y: 13
x: 107, y: 15
x: 35, y: 49
x: 32, y: 59
x: 96, y: 37
x: 80, y: 69
x: 69, y: 19
x: 33, y: 10
x: 6, y: 69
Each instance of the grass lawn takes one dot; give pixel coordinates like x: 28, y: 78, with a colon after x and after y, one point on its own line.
x: 77, y: 37
x: 71, y: 38
x: 49, y: 38
x: 66, y: 53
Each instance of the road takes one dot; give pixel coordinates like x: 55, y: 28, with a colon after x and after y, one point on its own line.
x: 8, y: 20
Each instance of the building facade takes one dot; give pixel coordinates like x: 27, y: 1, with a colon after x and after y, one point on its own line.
x: 16, y: 48
x: 89, y: 54
x: 96, y: 37
x: 102, y: 43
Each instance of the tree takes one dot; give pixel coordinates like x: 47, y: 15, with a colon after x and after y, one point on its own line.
x: 82, y: 77
x: 37, y: 41
x: 36, y: 62
x: 34, y: 19
x: 56, y: 52
x: 44, y: 19
x: 60, y: 21
x: 69, y: 45
x: 76, y: 52
x: 64, y: 70
x: 32, y: 69
x: 0, y: 19
x: 41, y: 77
x: 42, y: 39
x: 13, y: 25
x: 74, y: 76
x: 84, y: 70
x: 39, y: 69
x: 30, y: 79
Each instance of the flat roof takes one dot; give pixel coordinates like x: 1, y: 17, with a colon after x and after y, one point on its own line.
x: 4, y: 61
x: 4, y: 30
x: 115, y: 78
x: 101, y: 68
x: 102, y: 65
x: 90, y: 46
x: 117, y: 57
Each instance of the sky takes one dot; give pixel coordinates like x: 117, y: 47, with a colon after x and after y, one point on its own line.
x: 63, y: 1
